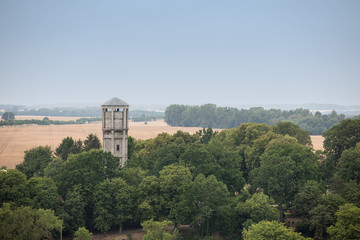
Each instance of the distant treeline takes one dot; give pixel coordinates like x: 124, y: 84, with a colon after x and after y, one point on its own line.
x: 47, y: 121
x: 211, y: 116
x: 137, y: 115
x: 145, y: 116
x: 63, y: 112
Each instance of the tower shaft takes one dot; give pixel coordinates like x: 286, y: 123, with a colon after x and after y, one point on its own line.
x: 115, y: 127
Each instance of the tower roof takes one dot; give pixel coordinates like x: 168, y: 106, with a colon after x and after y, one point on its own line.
x: 116, y: 102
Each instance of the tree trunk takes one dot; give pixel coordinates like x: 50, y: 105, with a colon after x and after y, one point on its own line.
x: 282, y: 216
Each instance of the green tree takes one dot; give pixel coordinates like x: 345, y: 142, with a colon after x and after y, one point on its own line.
x: 205, y: 204
x: 149, y: 200
x: 284, y: 169
x: 226, y: 165
x: 133, y: 175
x: 68, y: 146
x: 293, y: 130
x: 347, y: 225
x: 258, y: 208
x: 131, y: 147
x: 75, y: 203
x: 342, y: 136
x: 211, y: 199
x: 46, y: 120
x: 86, y: 169
x: 270, y: 230
x: 158, y: 230
x: 320, y: 217
x: 145, y: 154
x: 82, y: 234
x: 14, y: 187
x: 206, y: 135
x: 27, y: 223
x: 112, y: 204
x: 349, y: 165
x: 174, y: 181
x: 91, y: 142
x: 167, y: 155
x: 53, y: 167
x: 307, y: 198
x: 197, y: 157
x: 44, y: 194
x: 249, y: 140
x: 8, y: 116
x: 350, y: 190
x: 173, y: 115
x: 35, y: 161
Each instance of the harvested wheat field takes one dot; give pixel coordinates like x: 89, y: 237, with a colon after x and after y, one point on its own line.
x: 317, y: 141
x: 15, y: 140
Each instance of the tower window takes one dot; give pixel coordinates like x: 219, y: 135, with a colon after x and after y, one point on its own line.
x: 117, y: 147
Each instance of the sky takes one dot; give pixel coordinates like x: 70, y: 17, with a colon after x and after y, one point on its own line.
x: 183, y: 52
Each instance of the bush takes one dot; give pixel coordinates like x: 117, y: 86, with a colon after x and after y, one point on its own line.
x: 82, y: 234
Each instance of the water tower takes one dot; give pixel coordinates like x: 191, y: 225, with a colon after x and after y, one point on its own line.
x: 115, y: 127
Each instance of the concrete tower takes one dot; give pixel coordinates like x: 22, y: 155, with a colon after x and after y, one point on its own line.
x: 115, y: 127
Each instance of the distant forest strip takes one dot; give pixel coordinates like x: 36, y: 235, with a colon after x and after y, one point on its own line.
x: 59, y: 112
x: 145, y: 116
x: 211, y: 116
x: 47, y: 121
x: 137, y: 115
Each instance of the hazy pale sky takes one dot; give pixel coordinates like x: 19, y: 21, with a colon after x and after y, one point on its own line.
x: 188, y: 51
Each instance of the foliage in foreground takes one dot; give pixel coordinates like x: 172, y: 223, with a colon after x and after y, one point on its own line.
x: 214, y: 182
x: 347, y: 224
x: 156, y: 230
x: 266, y: 230
x: 28, y: 223
x: 82, y: 234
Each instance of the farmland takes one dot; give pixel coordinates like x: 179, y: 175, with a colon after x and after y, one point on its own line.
x: 15, y: 140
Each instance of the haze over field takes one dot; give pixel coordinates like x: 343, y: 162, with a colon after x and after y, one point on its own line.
x: 187, y: 52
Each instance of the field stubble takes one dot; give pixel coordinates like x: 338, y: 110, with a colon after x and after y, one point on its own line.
x: 15, y: 140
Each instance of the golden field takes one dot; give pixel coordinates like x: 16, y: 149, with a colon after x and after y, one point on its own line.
x: 15, y: 140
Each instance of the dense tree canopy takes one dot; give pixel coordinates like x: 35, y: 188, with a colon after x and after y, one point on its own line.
x: 349, y: 165
x: 91, y: 142
x: 112, y: 204
x: 86, y: 169
x: 293, y: 130
x: 14, y: 187
x: 235, y: 183
x: 35, y: 161
x: 271, y: 230
x: 341, y: 137
x: 68, y: 146
x: 307, y: 198
x: 257, y: 208
x: 284, y: 169
x: 347, y: 225
x: 44, y: 194
x: 28, y: 223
